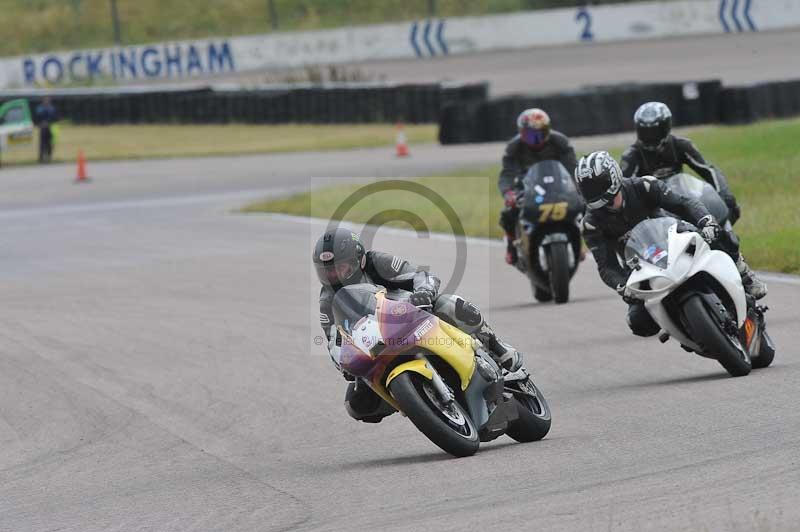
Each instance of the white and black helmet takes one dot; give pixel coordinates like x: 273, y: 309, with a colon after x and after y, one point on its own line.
x: 653, y: 123
x: 599, y: 178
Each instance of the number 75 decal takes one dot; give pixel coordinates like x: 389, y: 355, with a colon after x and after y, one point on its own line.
x: 552, y: 211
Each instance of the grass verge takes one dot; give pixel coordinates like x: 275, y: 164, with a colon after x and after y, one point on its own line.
x: 149, y: 141
x: 760, y: 161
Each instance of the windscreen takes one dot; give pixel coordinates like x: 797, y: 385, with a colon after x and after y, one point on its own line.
x: 649, y: 241
x: 550, y: 194
x: 14, y: 112
x: 550, y: 175
x: 693, y: 187
x: 351, y: 303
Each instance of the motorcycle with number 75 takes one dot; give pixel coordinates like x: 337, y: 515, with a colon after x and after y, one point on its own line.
x: 548, y: 237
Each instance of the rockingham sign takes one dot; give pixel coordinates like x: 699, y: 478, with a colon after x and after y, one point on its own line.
x: 166, y: 61
x: 417, y: 39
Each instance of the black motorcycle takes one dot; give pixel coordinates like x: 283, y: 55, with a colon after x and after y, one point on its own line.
x: 693, y: 187
x: 548, y: 236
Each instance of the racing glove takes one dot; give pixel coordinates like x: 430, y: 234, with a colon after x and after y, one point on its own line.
x: 709, y: 228
x: 422, y: 297
x: 510, y: 197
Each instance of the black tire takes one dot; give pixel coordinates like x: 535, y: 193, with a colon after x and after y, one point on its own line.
x: 558, y: 258
x: 706, y: 332
x: 766, y: 353
x: 534, y: 419
x: 408, y: 390
x: 541, y: 295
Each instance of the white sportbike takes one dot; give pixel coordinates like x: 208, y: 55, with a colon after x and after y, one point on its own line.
x: 695, y: 295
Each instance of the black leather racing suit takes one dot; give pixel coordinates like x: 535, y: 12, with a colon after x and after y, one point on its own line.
x: 519, y: 157
x: 605, y: 232
x: 668, y: 159
x: 385, y: 270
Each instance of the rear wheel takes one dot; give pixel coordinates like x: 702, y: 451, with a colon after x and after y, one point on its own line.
x: 558, y: 258
x: 709, y: 334
x: 534, y: 419
x: 444, y: 423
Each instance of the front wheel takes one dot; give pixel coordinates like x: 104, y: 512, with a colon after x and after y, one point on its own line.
x: 558, y: 257
x: 709, y: 334
x: 541, y: 295
x: 534, y: 419
x: 445, y: 424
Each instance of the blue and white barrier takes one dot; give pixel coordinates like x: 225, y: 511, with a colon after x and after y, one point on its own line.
x: 418, y: 39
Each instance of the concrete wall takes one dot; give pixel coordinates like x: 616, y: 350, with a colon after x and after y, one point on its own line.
x: 422, y: 39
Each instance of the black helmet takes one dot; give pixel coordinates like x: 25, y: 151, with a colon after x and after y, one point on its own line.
x: 599, y: 178
x: 339, y: 257
x: 653, y: 123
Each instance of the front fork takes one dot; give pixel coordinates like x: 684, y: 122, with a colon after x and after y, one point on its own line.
x: 444, y: 391
x: 422, y: 367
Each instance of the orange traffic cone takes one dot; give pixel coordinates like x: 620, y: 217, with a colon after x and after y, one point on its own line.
x: 401, y: 142
x: 82, y: 176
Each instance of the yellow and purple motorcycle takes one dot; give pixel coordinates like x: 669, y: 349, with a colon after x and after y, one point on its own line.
x: 438, y: 376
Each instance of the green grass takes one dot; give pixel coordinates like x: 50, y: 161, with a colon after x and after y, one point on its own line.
x: 147, y: 141
x: 761, y: 162
x: 43, y: 25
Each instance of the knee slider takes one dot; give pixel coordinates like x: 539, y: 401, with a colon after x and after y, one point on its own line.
x: 468, y: 313
x: 641, y: 323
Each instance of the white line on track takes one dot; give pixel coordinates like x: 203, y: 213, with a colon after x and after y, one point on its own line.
x: 780, y: 278
x: 104, y: 206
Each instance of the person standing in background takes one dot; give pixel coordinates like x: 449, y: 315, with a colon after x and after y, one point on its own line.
x: 45, y: 116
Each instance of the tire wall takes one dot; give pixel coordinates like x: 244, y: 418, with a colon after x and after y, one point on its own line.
x: 335, y: 104
x: 609, y: 109
x: 463, y: 111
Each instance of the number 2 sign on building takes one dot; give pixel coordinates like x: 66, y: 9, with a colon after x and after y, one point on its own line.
x: 583, y: 16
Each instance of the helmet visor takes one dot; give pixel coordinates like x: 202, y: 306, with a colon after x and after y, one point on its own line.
x: 533, y: 137
x: 336, y: 273
x: 650, y: 135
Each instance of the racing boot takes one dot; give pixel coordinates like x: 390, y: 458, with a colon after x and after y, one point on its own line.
x: 755, y: 287
x: 365, y: 405
x: 506, y: 356
x: 511, y: 250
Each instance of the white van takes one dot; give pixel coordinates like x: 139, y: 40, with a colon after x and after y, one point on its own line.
x: 16, y: 126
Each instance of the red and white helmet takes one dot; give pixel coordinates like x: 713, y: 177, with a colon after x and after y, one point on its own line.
x: 534, y: 127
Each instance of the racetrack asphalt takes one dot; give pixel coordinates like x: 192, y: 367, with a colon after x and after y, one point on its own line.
x: 158, y: 371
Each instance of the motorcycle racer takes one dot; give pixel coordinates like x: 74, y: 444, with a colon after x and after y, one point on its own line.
x: 615, y: 205
x: 657, y: 152
x: 340, y: 259
x: 535, y: 142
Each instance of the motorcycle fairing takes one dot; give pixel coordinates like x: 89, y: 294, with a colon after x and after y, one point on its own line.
x: 652, y: 284
x: 398, y: 328
x: 689, y: 185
